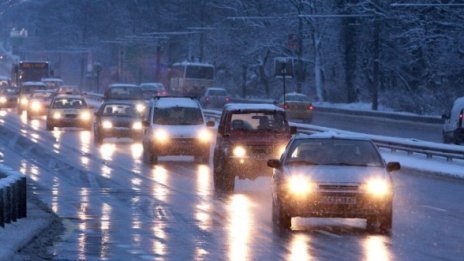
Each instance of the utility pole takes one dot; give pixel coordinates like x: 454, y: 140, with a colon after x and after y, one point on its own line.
x: 300, y: 74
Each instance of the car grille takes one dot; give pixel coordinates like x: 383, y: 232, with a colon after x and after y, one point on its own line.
x: 338, y: 187
x: 71, y: 116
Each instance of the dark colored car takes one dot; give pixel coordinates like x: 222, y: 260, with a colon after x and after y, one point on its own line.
x: 453, y: 126
x: 152, y: 89
x: 248, y: 135
x: 332, y: 175
x: 69, y: 111
x: 127, y: 92
x: 8, y: 97
x: 215, y: 98
x: 117, y: 119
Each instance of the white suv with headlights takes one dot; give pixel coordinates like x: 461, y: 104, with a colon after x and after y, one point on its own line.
x: 176, y: 126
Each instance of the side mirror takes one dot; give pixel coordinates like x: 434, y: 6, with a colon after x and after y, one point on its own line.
x: 274, y: 163
x: 210, y: 124
x: 393, y: 166
x: 145, y: 123
x: 293, y: 130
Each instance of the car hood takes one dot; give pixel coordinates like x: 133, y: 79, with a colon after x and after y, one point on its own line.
x: 120, y: 119
x: 181, y: 131
x: 337, y: 174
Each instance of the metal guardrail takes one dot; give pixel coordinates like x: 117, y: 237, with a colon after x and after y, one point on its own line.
x: 13, y: 195
x: 410, y: 146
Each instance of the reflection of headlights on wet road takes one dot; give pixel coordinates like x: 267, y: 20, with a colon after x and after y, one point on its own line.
x: 161, y: 136
x: 377, y: 187
x: 56, y: 115
x: 35, y: 106
x: 140, y: 107
x: 137, y: 125
x: 300, y: 185
x: 85, y: 116
x: 239, y: 151
x: 204, y: 136
x: 24, y: 101
x: 3, y: 99
x: 107, y: 124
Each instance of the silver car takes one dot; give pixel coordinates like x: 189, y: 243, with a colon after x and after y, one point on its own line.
x: 332, y: 175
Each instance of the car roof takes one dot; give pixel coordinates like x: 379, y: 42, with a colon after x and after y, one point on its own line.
x: 118, y: 102
x: 151, y: 83
x: 167, y: 102
x: 331, y: 135
x: 51, y: 79
x: 123, y: 85
x: 296, y: 94
x: 33, y: 83
x: 217, y: 88
x: 70, y: 96
x: 252, y: 107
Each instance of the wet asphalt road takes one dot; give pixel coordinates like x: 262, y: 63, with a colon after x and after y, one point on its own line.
x: 117, y: 208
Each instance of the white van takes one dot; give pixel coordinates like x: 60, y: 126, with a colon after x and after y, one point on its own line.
x: 453, y: 128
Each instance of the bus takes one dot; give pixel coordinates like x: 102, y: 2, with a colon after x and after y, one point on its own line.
x: 190, y: 78
x: 29, y: 71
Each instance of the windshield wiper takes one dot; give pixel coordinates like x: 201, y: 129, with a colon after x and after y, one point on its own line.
x: 302, y: 162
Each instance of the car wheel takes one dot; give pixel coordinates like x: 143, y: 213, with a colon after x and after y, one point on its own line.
x: 149, y: 157
x: 49, y: 126
x: 98, y: 138
x: 386, y: 221
x: 224, y: 179
x: 280, y: 217
x: 202, y: 158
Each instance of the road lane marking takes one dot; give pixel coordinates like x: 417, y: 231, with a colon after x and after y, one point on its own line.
x: 435, y: 208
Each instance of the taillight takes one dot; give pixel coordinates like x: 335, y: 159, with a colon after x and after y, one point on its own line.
x: 227, y: 99
x: 310, y: 107
x: 286, y: 106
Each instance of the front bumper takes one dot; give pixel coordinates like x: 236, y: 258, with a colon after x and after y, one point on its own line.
x: 9, y: 103
x: 339, y: 204
x: 120, y: 132
x: 69, y: 122
x: 181, y: 147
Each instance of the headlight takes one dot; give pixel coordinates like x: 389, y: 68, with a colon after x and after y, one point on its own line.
x: 280, y: 150
x: 85, y: 116
x: 239, y: 151
x: 35, y: 106
x: 377, y: 187
x: 3, y: 99
x: 204, y: 136
x: 137, y: 125
x: 140, y: 107
x: 24, y: 101
x: 161, y: 136
x: 56, y: 115
x: 300, y: 185
x: 107, y: 124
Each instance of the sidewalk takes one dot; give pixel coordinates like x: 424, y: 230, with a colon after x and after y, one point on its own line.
x: 17, y: 235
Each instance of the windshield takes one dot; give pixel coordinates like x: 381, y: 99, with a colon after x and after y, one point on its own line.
x: 41, y: 95
x: 199, y: 72
x: 258, y: 121
x: 124, y: 93
x: 177, y: 116
x: 27, y: 89
x: 69, y: 103
x: 121, y: 110
x: 333, y: 152
x: 217, y: 92
x: 296, y: 98
x: 9, y: 91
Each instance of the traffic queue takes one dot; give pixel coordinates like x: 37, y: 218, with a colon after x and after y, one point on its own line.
x: 319, y: 175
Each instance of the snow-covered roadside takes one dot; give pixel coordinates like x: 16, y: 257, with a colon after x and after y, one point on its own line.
x: 436, y: 166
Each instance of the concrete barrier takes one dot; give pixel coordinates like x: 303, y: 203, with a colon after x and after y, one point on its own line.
x: 13, y: 195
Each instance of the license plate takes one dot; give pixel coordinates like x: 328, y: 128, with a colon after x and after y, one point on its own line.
x: 338, y: 200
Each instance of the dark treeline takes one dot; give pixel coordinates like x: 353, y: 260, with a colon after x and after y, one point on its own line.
x: 394, y: 53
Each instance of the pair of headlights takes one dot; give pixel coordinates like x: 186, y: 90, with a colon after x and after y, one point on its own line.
x: 163, y: 136
x: 241, y: 152
x: 85, y: 116
x: 106, y: 124
x: 302, y: 186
